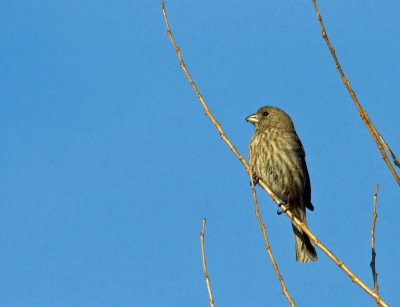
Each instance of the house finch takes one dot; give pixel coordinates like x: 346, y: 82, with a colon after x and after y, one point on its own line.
x: 277, y: 158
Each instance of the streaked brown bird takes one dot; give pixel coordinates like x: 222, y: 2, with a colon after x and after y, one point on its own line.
x: 277, y: 157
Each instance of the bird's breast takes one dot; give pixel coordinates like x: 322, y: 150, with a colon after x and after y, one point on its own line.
x: 272, y: 160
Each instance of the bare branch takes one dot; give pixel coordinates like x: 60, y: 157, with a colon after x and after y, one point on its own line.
x: 363, y: 114
x: 386, y: 146
x: 340, y: 263
x: 372, y: 264
x: 211, y: 301
x: 285, y: 209
x: 207, y: 111
x: 267, y: 246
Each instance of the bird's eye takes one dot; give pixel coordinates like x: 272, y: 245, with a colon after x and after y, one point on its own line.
x: 265, y: 113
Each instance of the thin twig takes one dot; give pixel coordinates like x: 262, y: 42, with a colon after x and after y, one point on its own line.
x: 372, y: 264
x: 295, y: 220
x: 211, y: 301
x: 386, y: 146
x: 363, y: 114
x: 318, y: 243
x: 207, y: 111
x: 267, y: 246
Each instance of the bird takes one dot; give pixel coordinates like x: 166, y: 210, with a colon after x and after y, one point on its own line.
x: 277, y: 157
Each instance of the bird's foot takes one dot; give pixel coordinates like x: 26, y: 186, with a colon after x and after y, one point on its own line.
x: 280, y: 211
x: 255, y: 181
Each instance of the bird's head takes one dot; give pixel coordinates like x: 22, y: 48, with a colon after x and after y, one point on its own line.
x: 271, y: 117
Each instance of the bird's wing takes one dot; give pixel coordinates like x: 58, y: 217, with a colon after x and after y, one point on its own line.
x: 297, y: 153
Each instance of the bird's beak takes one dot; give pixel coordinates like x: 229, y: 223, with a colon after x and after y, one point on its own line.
x: 252, y: 119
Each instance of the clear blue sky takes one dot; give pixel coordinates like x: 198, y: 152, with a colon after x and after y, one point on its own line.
x: 108, y: 164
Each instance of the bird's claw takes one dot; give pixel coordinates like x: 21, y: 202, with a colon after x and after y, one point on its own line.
x: 255, y: 181
x: 280, y: 211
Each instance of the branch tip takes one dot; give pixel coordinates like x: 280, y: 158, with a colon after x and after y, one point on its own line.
x: 211, y: 301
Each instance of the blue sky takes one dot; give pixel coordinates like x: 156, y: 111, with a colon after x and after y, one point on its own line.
x: 108, y: 164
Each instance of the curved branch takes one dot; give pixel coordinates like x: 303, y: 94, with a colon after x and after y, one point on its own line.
x: 363, y: 114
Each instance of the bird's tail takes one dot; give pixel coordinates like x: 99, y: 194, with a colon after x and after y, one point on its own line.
x: 305, y: 250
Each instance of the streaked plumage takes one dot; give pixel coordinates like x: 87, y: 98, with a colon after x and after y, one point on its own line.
x: 277, y: 157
